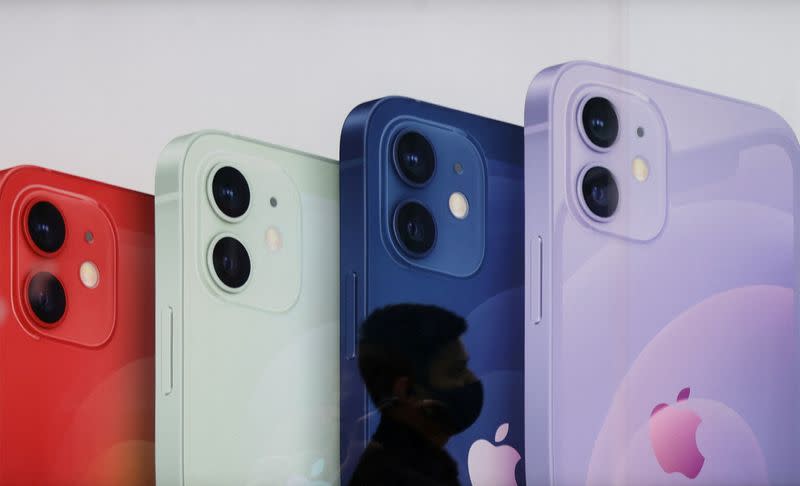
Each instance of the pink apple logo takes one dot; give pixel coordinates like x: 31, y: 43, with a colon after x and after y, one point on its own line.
x: 673, y: 434
x: 491, y: 465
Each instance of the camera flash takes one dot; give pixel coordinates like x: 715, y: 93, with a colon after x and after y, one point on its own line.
x: 273, y: 239
x: 641, y: 171
x: 459, y: 206
x: 90, y: 275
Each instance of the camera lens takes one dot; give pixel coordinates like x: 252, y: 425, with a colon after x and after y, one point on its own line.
x: 47, y: 298
x: 231, y: 192
x: 600, y: 191
x: 415, y: 228
x: 46, y: 226
x: 231, y: 262
x: 600, y: 122
x: 414, y: 158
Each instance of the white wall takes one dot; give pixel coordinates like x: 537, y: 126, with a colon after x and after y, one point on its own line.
x: 98, y: 88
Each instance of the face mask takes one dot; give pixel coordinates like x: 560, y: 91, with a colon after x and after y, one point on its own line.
x: 457, y: 408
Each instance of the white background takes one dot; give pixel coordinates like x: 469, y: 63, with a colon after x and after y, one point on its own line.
x: 98, y: 88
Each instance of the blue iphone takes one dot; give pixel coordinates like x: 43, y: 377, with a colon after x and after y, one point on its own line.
x: 432, y: 212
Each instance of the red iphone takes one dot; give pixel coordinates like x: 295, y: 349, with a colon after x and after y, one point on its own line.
x: 76, y: 331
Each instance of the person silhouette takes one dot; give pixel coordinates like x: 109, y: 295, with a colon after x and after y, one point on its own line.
x: 414, y: 365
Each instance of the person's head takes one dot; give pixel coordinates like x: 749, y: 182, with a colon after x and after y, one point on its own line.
x: 414, y: 366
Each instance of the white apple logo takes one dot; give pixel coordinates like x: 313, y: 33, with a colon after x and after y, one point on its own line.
x: 491, y: 465
x: 316, y: 472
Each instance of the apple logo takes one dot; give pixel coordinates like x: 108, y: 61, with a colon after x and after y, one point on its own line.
x: 491, y: 465
x: 673, y: 434
x: 671, y: 440
x: 744, y: 364
x: 314, y: 480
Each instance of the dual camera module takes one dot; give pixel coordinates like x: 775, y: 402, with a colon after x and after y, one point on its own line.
x: 229, y: 257
x: 600, y: 126
x: 415, y: 162
x: 47, y: 232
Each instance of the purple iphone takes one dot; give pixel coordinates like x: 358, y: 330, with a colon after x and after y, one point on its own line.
x: 661, y: 338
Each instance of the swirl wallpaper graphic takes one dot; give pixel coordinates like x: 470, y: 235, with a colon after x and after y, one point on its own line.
x: 706, y: 434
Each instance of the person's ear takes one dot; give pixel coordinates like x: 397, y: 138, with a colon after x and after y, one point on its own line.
x: 402, y: 388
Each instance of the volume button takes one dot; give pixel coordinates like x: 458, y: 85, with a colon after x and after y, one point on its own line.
x: 536, y: 280
x: 166, y: 352
x: 351, y: 314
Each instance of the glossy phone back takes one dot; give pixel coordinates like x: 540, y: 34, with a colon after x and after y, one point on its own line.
x: 247, y: 386
x: 479, y: 277
x: 661, y: 343
x: 76, y: 395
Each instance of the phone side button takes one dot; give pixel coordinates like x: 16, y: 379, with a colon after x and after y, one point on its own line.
x: 351, y: 314
x: 166, y: 329
x: 536, y: 280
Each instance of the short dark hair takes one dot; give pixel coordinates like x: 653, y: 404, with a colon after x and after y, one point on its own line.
x: 402, y: 340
